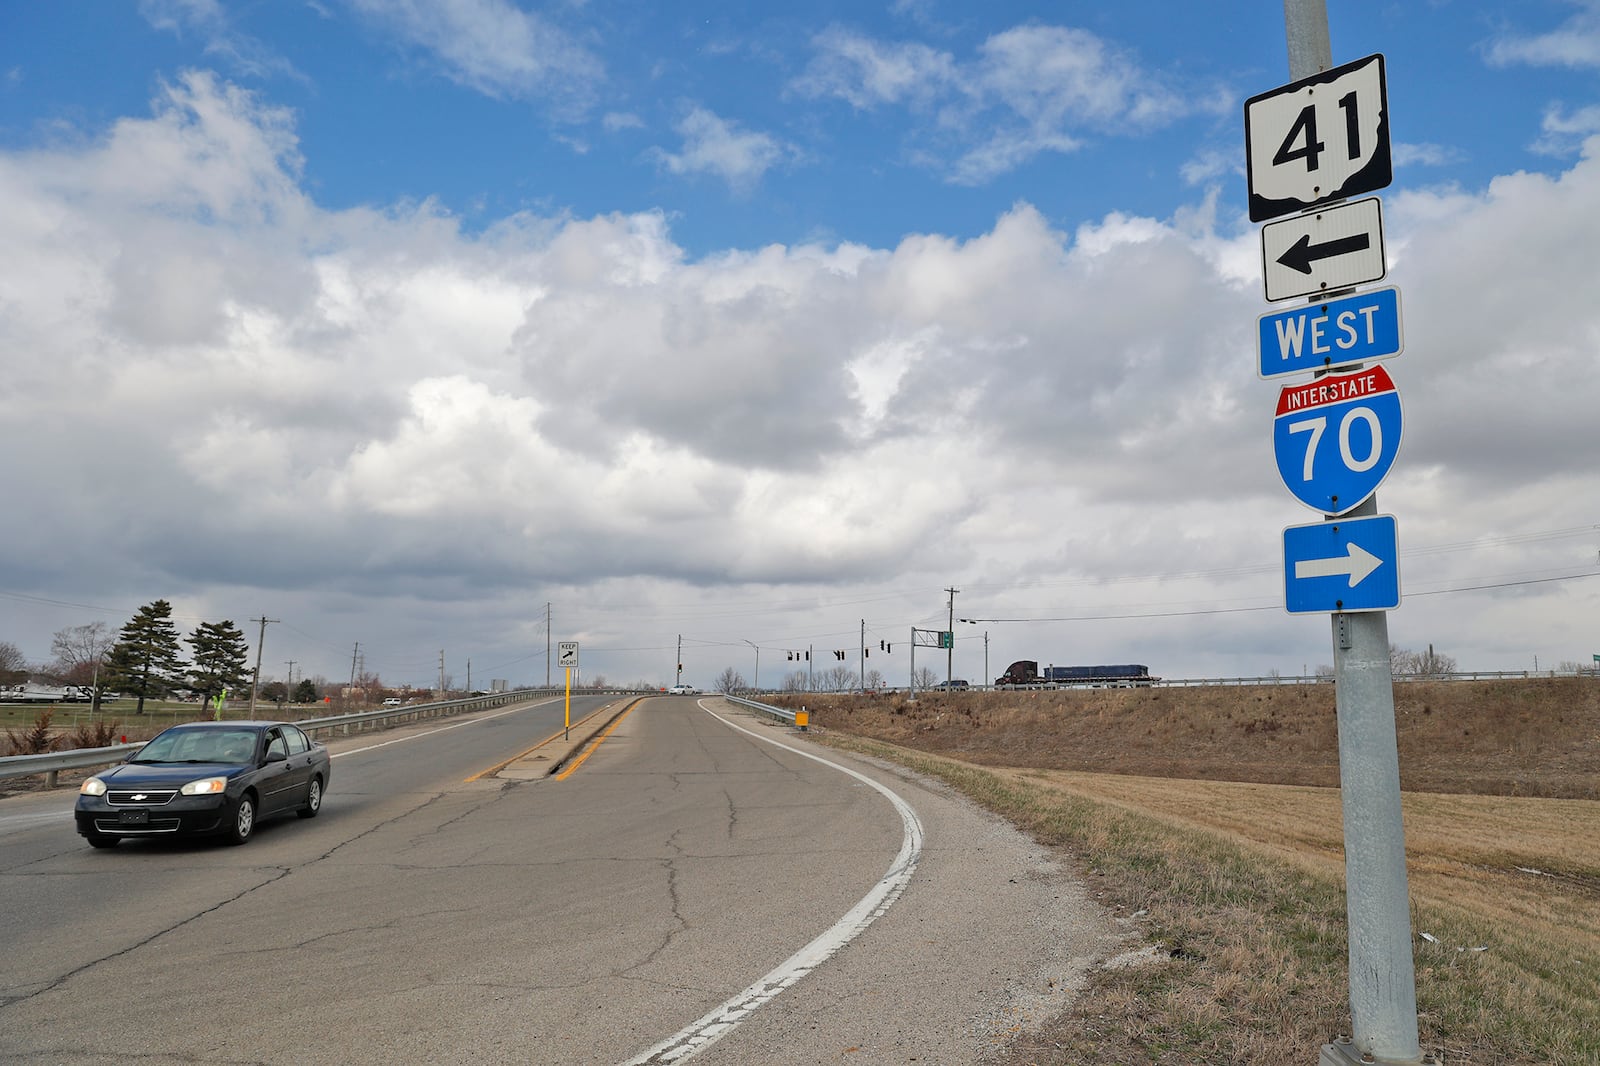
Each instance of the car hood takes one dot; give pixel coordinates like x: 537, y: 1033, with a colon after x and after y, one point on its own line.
x: 170, y: 774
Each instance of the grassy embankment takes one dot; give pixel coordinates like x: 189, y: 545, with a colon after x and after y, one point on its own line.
x: 1238, y: 885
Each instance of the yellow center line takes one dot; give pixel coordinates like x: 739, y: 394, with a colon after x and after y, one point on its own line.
x: 563, y: 775
x: 552, y: 738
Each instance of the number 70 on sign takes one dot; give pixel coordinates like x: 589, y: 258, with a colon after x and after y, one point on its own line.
x: 1336, y: 438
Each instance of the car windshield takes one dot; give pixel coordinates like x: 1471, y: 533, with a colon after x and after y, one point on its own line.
x: 234, y: 746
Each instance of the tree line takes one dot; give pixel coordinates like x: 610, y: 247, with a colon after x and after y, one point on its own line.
x: 146, y: 658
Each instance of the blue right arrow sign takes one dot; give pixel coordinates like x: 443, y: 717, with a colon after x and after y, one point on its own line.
x: 1345, y: 564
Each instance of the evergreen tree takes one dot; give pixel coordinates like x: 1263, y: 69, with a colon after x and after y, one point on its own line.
x: 146, y: 659
x: 305, y: 691
x: 220, y: 657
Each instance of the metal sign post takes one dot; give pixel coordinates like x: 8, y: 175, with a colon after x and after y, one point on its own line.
x: 1317, y: 141
x: 567, y: 656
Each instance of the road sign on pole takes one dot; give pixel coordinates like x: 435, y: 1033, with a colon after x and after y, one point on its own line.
x: 1346, y: 564
x: 1336, y: 438
x: 1326, y: 335
x: 1319, y: 139
x: 567, y: 654
x: 1323, y: 251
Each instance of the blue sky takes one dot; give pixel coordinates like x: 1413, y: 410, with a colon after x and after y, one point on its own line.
x: 745, y: 325
x: 748, y: 126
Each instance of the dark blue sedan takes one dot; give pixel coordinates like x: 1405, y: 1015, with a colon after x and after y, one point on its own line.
x: 206, y: 779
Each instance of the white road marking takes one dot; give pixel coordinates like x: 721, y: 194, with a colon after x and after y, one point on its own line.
x: 722, y: 1020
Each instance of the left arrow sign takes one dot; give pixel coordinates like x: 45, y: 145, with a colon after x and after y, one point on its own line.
x: 1323, y: 251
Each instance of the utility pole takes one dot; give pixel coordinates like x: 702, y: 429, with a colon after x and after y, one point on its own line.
x: 354, y: 655
x: 863, y: 651
x: 255, y: 681
x: 290, y: 663
x: 679, y: 660
x: 441, y: 673
x: 546, y: 643
x: 950, y: 652
x: 469, y: 676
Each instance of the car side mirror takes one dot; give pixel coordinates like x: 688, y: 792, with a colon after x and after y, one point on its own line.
x: 274, y: 756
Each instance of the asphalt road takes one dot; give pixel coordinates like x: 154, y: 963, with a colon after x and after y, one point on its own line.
x: 704, y: 883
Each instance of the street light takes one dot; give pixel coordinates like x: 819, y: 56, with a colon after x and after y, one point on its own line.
x: 755, y: 683
x: 973, y: 622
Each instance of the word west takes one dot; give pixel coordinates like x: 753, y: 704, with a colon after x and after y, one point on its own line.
x: 1345, y: 331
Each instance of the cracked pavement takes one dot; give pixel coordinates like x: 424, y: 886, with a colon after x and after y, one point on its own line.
x: 427, y: 918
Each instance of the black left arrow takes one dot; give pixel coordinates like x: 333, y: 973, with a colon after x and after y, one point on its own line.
x: 1304, y: 253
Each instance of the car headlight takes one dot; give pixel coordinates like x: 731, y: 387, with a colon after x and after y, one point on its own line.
x: 92, y: 786
x: 206, y: 786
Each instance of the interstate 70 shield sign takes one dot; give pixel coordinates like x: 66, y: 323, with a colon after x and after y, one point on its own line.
x: 1336, y: 437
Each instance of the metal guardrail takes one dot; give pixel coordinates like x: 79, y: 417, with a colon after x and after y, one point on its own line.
x: 779, y: 713
x: 53, y: 762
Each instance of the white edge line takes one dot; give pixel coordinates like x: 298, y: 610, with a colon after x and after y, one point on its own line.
x: 722, y: 1020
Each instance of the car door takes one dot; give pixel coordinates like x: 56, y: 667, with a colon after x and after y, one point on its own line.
x: 302, y: 765
x: 276, y: 782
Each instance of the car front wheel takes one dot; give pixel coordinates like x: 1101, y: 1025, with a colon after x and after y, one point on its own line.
x: 313, y: 799
x: 244, y: 820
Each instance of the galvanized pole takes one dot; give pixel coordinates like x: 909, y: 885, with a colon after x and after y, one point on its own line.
x: 1383, y: 988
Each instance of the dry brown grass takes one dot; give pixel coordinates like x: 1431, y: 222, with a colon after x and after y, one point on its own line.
x: 1240, y: 881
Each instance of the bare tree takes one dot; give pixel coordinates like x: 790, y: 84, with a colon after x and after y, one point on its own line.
x: 926, y: 677
x: 839, y: 679
x: 13, y: 665
x: 796, y: 681
x: 729, y: 681
x: 874, y: 679
x: 1420, y: 664
x: 80, y: 654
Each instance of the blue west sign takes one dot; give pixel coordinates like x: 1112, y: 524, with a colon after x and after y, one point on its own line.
x: 1336, y: 437
x: 1356, y: 329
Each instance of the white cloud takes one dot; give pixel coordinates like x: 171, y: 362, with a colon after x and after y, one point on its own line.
x: 867, y: 73
x: 209, y: 21
x: 1029, y: 90
x: 1576, y: 43
x: 1410, y: 154
x: 494, y: 47
x: 1563, y: 132
x: 380, y: 421
x: 722, y: 148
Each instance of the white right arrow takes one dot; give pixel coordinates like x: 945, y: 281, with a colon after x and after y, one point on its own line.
x: 1357, y: 563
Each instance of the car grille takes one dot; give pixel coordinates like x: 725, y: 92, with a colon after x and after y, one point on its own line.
x: 140, y: 797
x: 154, y: 825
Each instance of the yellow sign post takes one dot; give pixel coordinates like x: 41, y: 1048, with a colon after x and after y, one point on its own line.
x: 568, y: 735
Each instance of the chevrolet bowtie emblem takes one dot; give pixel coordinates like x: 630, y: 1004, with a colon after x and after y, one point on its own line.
x: 137, y: 796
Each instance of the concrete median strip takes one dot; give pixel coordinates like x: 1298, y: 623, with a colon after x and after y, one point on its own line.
x: 550, y: 754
